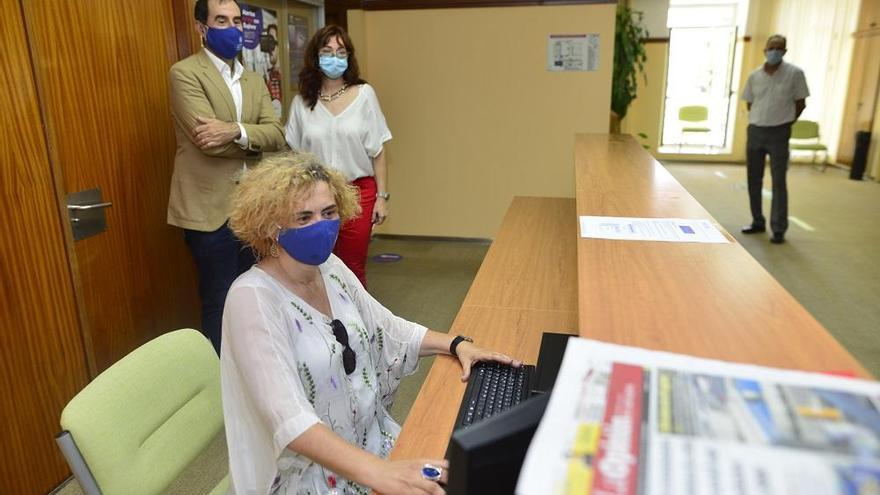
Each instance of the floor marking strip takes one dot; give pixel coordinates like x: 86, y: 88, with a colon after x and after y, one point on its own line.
x: 802, y: 224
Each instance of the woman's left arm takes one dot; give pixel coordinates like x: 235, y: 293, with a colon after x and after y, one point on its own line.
x: 438, y: 343
x: 380, y: 169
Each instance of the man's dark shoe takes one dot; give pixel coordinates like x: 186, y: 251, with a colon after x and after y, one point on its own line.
x: 777, y: 238
x: 753, y: 229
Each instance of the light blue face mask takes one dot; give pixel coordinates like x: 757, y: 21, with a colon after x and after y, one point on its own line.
x: 773, y: 56
x: 332, y: 66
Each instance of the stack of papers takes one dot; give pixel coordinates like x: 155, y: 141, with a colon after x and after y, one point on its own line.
x: 623, y: 420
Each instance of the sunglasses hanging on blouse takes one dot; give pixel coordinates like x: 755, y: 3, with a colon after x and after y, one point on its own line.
x: 349, y: 360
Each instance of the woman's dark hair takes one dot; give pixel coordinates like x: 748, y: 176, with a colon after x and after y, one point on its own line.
x: 310, y: 76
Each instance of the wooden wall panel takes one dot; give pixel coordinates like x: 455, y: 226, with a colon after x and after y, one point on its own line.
x: 101, y: 67
x: 869, y: 15
x: 187, y: 38
x: 42, y: 360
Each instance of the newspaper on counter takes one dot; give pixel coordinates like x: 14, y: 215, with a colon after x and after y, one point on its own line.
x: 623, y: 420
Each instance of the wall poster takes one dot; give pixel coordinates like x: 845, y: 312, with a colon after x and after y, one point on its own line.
x: 573, y: 52
x: 261, y: 49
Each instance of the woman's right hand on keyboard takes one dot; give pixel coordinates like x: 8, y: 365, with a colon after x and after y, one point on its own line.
x: 469, y: 355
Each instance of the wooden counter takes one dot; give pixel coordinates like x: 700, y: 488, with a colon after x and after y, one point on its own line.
x: 526, y: 285
x: 532, y: 262
x: 709, y: 300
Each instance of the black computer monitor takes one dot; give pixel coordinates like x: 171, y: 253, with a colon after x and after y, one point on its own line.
x: 486, y: 458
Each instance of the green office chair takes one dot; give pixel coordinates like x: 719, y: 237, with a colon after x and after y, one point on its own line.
x: 693, y: 114
x: 805, y: 136
x: 140, y: 423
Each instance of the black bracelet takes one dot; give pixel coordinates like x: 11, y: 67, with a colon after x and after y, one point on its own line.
x: 458, y: 340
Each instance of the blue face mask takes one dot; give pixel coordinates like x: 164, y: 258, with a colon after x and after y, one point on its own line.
x: 773, y: 56
x: 311, y: 244
x: 333, y: 67
x: 224, y: 42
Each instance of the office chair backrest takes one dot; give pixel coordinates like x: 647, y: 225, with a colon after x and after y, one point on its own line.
x: 144, y: 419
x: 805, y: 129
x: 694, y: 113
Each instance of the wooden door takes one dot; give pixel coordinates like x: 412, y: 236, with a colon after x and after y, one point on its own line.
x: 42, y: 357
x: 101, y: 68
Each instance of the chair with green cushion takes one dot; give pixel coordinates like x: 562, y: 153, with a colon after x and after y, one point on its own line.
x: 694, y: 114
x: 137, y: 426
x: 805, y: 137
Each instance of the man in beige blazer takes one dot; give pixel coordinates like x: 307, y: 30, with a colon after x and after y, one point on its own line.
x: 224, y: 121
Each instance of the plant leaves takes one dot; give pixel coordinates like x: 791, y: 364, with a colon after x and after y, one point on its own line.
x: 629, y: 58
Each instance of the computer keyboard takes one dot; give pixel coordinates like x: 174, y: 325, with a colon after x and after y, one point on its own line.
x: 491, y: 389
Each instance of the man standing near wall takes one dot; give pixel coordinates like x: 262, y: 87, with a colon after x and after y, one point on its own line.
x: 224, y: 120
x: 776, y: 96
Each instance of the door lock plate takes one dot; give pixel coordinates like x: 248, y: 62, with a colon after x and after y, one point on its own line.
x: 85, y: 210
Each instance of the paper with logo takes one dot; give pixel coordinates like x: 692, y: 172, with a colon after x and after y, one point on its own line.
x: 651, y: 229
x: 623, y: 420
x: 573, y: 52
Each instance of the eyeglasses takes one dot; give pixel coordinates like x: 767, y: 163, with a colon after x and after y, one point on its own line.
x: 349, y: 360
x: 328, y: 52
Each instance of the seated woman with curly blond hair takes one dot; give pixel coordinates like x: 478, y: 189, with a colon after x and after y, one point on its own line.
x: 310, y: 362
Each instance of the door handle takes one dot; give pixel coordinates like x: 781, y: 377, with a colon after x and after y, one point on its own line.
x: 85, y: 211
x: 88, y: 207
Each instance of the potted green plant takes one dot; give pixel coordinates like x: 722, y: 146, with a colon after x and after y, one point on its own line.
x: 629, y: 61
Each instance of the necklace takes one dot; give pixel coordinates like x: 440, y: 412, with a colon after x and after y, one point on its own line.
x: 335, y: 96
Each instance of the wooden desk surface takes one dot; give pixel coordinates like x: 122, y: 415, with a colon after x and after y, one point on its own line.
x: 526, y: 285
x: 710, y: 300
x: 531, y: 262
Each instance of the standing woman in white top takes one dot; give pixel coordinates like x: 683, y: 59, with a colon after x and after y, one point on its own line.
x: 336, y: 116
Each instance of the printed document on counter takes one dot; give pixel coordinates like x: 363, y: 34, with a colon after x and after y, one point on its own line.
x: 628, y: 421
x: 651, y: 229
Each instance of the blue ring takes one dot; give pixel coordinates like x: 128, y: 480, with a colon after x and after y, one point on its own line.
x: 431, y: 473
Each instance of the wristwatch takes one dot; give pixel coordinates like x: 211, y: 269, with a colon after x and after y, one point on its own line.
x: 384, y: 195
x: 458, y: 340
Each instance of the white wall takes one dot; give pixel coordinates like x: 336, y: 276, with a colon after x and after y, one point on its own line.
x: 654, y: 17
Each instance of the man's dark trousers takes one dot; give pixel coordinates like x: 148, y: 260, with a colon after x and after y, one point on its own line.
x: 220, y: 258
x: 761, y: 142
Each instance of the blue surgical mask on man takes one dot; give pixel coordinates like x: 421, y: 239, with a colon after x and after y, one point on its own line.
x: 225, y: 42
x: 311, y: 244
x: 773, y: 56
x: 332, y: 66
